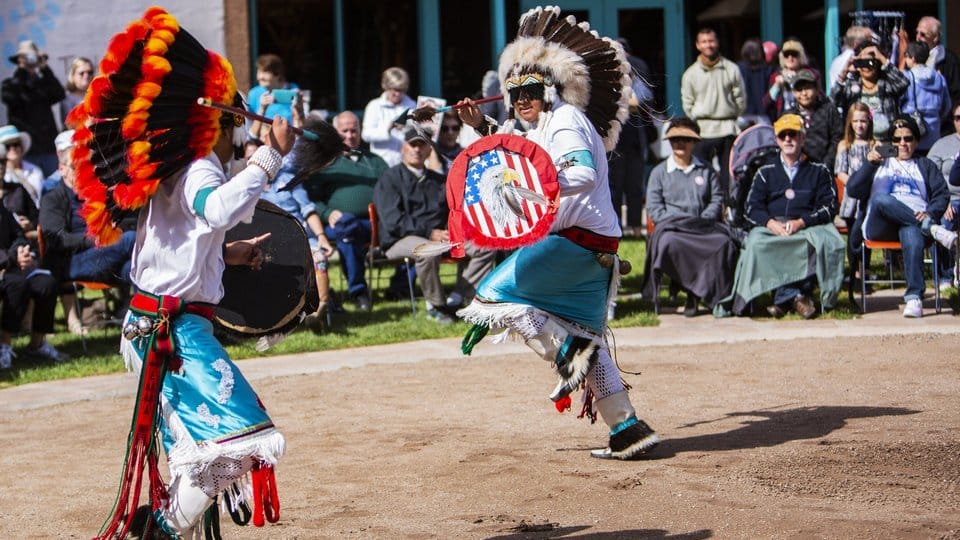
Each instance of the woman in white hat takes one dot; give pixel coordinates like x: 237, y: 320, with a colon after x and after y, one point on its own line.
x: 19, y: 170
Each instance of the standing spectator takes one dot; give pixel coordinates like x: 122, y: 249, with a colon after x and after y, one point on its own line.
x: 271, y: 75
x: 29, y: 94
x: 851, y: 155
x: 821, y: 121
x: 378, y: 117
x: 941, y: 59
x: 22, y: 180
x: 793, y: 245
x: 756, y: 73
x: 342, y: 192
x: 81, y: 73
x: 855, y: 36
x: 927, y: 93
x: 906, y: 197
x: 22, y: 280
x: 871, y: 78
x: 713, y: 95
x: 779, y: 96
x: 943, y: 153
x: 412, y: 207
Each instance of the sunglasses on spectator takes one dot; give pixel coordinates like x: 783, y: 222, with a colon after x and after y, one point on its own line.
x: 789, y: 133
x: 452, y: 127
x: 905, y: 138
x: 956, y: 117
x: 14, y: 144
x: 791, y: 53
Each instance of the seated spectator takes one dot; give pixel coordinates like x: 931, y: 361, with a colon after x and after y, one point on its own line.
x: 63, y: 143
x: 29, y: 94
x: 271, y: 75
x: 342, y: 192
x: 943, y: 153
x: 68, y: 252
x: 378, y: 116
x: 793, y: 244
x: 22, y: 280
x: 822, y: 122
x: 412, y: 208
x: 906, y: 196
x: 19, y: 170
x: 448, y: 146
x: 81, y: 73
x: 689, y: 244
x: 927, y: 93
x: 851, y: 155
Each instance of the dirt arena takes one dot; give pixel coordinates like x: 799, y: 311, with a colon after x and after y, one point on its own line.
x: 808, y: 438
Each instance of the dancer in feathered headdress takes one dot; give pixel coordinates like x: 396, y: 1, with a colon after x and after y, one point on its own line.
x: 569, y: 87
x: 145, y: 144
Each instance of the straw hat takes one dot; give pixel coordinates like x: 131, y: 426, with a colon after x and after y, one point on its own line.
x: 26, y: 48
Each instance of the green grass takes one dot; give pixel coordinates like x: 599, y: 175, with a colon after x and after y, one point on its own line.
x: 389, y: 322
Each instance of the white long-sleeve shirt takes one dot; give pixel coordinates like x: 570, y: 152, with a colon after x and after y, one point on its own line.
x: 181, y: 230
x: 378, y: 119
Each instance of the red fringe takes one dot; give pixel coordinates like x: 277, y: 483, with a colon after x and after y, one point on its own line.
x: 266, y: 502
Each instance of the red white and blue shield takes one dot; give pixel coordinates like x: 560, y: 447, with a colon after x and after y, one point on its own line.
x: 502, y: 192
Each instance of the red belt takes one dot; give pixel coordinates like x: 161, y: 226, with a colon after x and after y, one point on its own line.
x: 148, y: 304
x: 591, y: 240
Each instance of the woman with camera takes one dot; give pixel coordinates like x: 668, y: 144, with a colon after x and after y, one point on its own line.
x: 906, y: 196
x: 871, y: 78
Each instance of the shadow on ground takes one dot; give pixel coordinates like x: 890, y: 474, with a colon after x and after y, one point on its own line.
x: 633, y: 534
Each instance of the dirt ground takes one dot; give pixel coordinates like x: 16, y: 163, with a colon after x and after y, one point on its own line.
x: 842, y: 438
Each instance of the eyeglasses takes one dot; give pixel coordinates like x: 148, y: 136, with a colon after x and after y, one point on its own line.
x: 956, y: 118
x: 14, y: 144
x: 794, y: 54
x: 788, y: 133
x: 905, y: 138
x: 452, y: 127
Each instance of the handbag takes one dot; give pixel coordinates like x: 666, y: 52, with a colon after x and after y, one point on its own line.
x: 917, y: 117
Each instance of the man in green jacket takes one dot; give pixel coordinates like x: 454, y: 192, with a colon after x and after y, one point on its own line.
x: 342, y: 192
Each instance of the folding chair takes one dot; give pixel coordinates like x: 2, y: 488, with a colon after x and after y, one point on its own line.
x: 377, y: 259
x: 893, y: 246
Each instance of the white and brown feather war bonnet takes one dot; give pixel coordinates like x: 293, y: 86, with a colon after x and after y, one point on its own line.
x: 587, y: 71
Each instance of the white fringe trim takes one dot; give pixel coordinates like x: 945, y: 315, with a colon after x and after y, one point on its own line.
x: 504, y: 314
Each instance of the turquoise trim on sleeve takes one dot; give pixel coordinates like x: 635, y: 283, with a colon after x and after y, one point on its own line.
x: 582, y: 158
x: 200, y: 201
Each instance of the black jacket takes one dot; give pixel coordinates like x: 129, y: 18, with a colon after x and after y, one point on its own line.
x: 11, y: 238
x: 938, y: 196
x: 28, y: 98
x: 64, y: 231
x: 409, y: 206
x: 824, y: 128
x: 814, y: 194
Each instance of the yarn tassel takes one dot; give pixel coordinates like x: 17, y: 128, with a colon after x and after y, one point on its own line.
x: 476, y: 333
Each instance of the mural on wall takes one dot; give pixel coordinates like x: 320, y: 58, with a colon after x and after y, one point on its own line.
x: 65, y: 29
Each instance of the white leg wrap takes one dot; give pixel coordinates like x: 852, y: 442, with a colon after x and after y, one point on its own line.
x: 548, y: 340
x: 186, y: 506
x: 615, y: 408
x: 604, y: 379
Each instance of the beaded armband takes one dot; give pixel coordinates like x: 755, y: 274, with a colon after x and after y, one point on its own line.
x: 267, y: 159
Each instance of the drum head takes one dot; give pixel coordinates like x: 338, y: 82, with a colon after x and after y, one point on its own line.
x: 504, y: 186
x: 270, y: 300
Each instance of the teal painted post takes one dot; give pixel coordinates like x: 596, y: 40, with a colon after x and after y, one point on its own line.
x: 254, y: 40
x: 340, y: 55
x: 675, y: 54
x: 429, y: 42
x: 831, y: 35
x: 771, y: 20
x: 498, y: 30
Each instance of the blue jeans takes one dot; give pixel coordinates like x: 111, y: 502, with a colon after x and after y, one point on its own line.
x: 890, y: 220
x: 786, y: 294
x: 945, y: 257
x: 352, y: 245
x: 109, y: 264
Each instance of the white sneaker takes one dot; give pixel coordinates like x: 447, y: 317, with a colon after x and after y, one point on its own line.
x: 6, y: 356
x: 913, y: 309
x: 47, y: 352
x: 947, y: 239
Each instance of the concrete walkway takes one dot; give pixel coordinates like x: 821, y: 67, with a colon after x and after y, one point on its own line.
x: 674, y: 330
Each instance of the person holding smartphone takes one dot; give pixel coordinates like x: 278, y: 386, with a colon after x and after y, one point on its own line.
x: 871, y: 78
x: 906, y: 196
x: 273, y: 95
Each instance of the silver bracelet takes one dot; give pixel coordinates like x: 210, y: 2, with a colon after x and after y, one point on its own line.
x: 267, y: 159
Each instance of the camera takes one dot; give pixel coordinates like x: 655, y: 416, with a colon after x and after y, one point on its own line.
x: 871, y: 63
x: 283, y: 96
x: 886, y: 150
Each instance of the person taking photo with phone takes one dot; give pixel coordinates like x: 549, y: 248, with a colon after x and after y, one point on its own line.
x: 871, y: 78
x: 273, y: 95
x: 906, y: 196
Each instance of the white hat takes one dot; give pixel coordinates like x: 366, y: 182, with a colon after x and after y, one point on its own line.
x: 64, y: 141
x: 11, y: 133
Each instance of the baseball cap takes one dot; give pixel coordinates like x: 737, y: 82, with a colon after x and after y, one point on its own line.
x: 788, y: 122
x: 413, y: 133
x: 64, y: 141
x: 804, y: 75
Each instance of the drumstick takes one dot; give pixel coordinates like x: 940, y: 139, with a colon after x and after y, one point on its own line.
x: 207, y: 102
x: 427, y: 111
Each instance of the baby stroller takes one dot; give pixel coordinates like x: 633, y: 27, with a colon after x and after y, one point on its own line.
x: 754, y: 147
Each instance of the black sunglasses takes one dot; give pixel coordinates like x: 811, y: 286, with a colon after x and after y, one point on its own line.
x: 528, y: 91
x: 791, y: 53
x: 447, y: 129
x: 956, y: 117
x: 905, y: 138
x: 788, y: 133
x: 14, y: 144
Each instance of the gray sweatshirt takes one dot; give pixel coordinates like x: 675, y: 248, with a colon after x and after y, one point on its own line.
x: 943, y: 153
x: 676, y: 193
